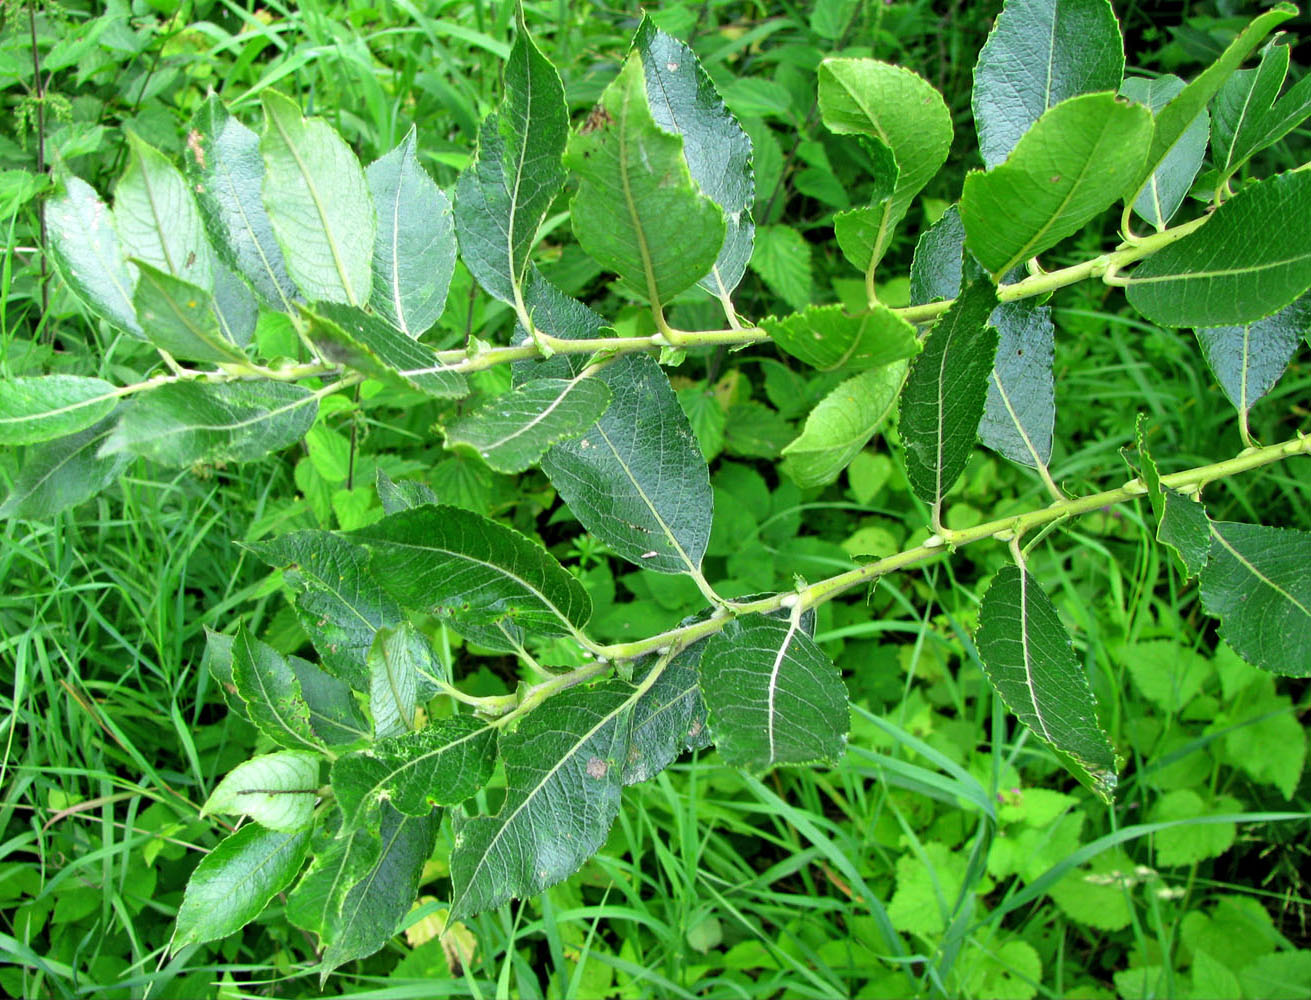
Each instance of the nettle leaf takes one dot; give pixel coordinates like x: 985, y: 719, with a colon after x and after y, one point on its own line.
x: 395, y: 662
x: 414, y: 253
x: 773, y: 696
x: 502, y: 198
x: 59, y: 474
x: 1028, y: 660
x: 946, y: 392
x: 349, y: 335
x: 638, y: 212
x: 88, y: 255
x: 938, y: 268
x: 563, y: 768
x: 781, y: 257
x: 179, y: 317
x: 1069, y: 167
x: 440, y: 765
x: 1250, y: 115
x: 1166, y: 189
x: 1040, y: 53
x: 1185, y: 527
x: 269, y: 687
x: 463, y: 567
x: 1248, y: 360
x: 513, y: 430
x: 157, y: 218
x: 189, y: 422
x: 277, y: 790
x: 318, y: 202
x: 44, y: 407
x: 683, y: 100
x: 235, y: 881
x: 227, y: 173
x: 1020, y: 411
x: 402, y: 494
x: 827, y: 338
x: 1223, y: 274
x: 1256, y: 582
x: 841, y: 425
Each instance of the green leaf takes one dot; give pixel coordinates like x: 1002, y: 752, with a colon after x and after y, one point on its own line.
x: 1248, y: 360
x: 945, y: 393
x: 502, y: 198
x: 562, y: 786
x: 1166, y: 189
x: 1188, y: 844
x: 235, y: 305
x: 59, y: 474
x: 1185, y: 527
x: 339, y: 863
x: 414, y: 254
x: 638, y: 211
x: 402, y: 494
x: 271, y: 692
x: 395, y: 661
x: 706, y: 418
x: 157, y: 219
x: 318, y: 202
x: 1248, y: 118
x: 87, y: 253
x: 781, y: 258
x: 683, y: 101
x: 825, y: 337
x: 442, y: 764
x: 513, y: 430
x: 235, y: 881
x: 1073, y: 164
x: 938, y: 269
x: 335, y: 715
x: 1020, y: 411
x: 1221, y: 275
x: 463, y: 567
x: 773, y: 696
x: 44, y: 407
x: 860, y: 231
x: 1027, y: 658
x: 1256, y: 582
x: 277, y: 790
x: 226, y: 172
x: 178, y: 317
x: 668, y: 718
x: 189, y: 422
x: 839, y: 427
x: 1040, y: 53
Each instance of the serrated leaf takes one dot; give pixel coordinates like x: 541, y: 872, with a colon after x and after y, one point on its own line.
x: 1166, y: 189
x: 1224, y: 275
x: 946, y: 391
x: 1250, y: 115
x: 781, y: 258
x: 638, y: 212
x: 1185, y: 527
x: 59, y: 474
x: 271, y: 691
x: 40, y: 408
x: 88, y: 255
x: 157, y: 218
x: 402, y: 494
x: 335, y: 715
x: 1020, y: 410
x: 1041, y: 52
x: 395, y: 662
x: 841, y: 425
x: 235, y: 881
x: 414, y: 252
x: 1069, y: 167
x: 825, y: 337
x: 179, y: 317
x: 938, y: 268
x: 683, y: 100
x: 513, y: 430
x: 773, y: 696
x: 318, y: 202
x: 706, y: 418
x: 1256, y: 582
x: 1248, y: 360
x: 339, y: 863
x: 277, y: 791
x: 1027, y: 657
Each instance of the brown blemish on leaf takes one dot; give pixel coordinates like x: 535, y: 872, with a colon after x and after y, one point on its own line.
x: 597, y: 768
x: 598, y: 119
x: 197, y: 150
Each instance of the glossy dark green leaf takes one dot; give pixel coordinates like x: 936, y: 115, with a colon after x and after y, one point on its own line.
x: 271, y: 691
x: 395, y: 662
x: 218, y: 661
x: 827, y: 338
x: 402, y: 494
x: 841, y: 425
x: 56, y: 475
x: 1166, y: 189
x: 1185, y: 527
x: 36, y: 408
x: 668, y: 718
x: 1249, y: 113
x: 370, y: 345
x: 1020, y: 410
x: 179, y: 317
x: 157, y: 219
x: 1248, y: 360
x: 87, y: 253
x: 276, y: 790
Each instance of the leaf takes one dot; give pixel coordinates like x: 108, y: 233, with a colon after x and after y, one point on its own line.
x: 271, y: 692
x: 45, y: 407
x: 226, y: 172
x: 1188, y: 843
x: 945, y: 393
x: 157, y: 219
x: 1185, y: 527
x: 1020, y: 411
x: 825, y: 337
x: 189, y: 422
x: 1166, y: 189
x: 683, y: 101
x: 234, y: 302
x: 782, y: 260
x: 668, y: 718
x: 335, y: 716
x: 1247, y: 116
x: 513, y: 430
x: 1027, y: 657
x: 351, y: 336
x: 318, y: 202
x: 1222, y: 275
x: 414, y: 253
x: 1074, y: 163
x: 402, y: 494
x: 638, y: 212
x: 395, y: 661
x: 840, y: 426
x: 461, y: 566
x: 277, y: 791
x: 859, y: 231
x: 87, y: 253
x: 441, y: 764
x: 1256, y: 583
x: 773, y: 696
x: 338, y: 864
x: 938, y: 269
x: 1040, y: 53
x: 178, y: 317
x: 1248, y: 360
x: 562, y: 785
x: 59, y: 474
x: 503, y: 196
x: 235, y: 881
x: 706, y: 418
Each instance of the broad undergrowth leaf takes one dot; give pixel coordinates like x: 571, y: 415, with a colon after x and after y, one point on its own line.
x: 1249, y: 113
x: 1185, y: 527
x: 1020, y: 410
x: 1256, y: 582
x: 271, y: 691
x: 277, y: 791
x: 1248, y: 360
x: 397, y: 658
x: 402, y: 494
x: 157, y: 219
x: 1252, y: 258
x: 179, y: 317
x: 1166, y: 189
x: 827, y: 338
x: 414, y: 252
x: 235, y: 881
x: 56, y: 475
x: 1040, y: 53
x: 87, y: 253
x: 36, y: 408
x: 773, y: 696
x: 781, y: 258
x: 1072, y: 165
x: 349, y: 335
x: 1028, y: 659
x: 318, y: 201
